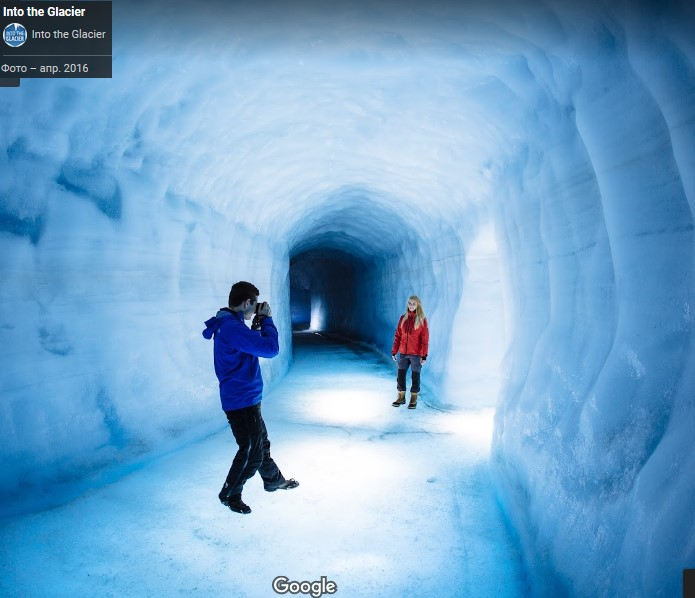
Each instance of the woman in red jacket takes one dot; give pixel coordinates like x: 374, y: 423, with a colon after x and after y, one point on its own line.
x: 412, y: 342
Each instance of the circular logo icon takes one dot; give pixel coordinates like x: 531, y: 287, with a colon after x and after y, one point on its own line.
x: 14, y: 35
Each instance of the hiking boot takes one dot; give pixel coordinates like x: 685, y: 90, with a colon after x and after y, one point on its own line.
x: 286, y: 485
x: 236, y: 504
x: 400, y: 400
x: 413, y: 400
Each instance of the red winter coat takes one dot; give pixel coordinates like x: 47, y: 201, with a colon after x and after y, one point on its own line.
x: 411, y: 341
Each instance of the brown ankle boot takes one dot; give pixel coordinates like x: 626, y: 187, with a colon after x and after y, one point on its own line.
x: 413, y: 400
x: 400, y: 400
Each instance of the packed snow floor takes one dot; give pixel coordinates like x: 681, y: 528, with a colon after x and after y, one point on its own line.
x: 391, y: 502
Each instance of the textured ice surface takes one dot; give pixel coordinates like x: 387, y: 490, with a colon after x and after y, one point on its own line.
x: 390, y: 502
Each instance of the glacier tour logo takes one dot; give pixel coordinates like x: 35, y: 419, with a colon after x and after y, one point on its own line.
x: 14, y: 35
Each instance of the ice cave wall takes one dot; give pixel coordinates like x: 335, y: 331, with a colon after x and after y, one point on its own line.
x: 590, y: 444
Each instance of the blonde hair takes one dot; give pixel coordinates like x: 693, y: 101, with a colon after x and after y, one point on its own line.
x: 419, y: 312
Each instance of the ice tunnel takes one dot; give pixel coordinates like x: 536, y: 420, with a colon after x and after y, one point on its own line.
x: 527, y: 169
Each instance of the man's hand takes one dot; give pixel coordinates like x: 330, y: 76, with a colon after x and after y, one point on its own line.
x: 394, y: 357
x: 262, y: 312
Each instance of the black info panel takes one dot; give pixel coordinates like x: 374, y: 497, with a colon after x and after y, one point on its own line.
x: 55, y: 39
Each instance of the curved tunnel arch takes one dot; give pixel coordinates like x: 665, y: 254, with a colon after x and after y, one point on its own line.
x: 359, y: 249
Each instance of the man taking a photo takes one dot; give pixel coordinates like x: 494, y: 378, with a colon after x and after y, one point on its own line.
x: 237, y: 349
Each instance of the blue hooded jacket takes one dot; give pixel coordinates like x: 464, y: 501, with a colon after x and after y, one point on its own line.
x: 237, y: 349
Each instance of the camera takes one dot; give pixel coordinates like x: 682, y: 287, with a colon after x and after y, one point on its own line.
x: 258, y: 318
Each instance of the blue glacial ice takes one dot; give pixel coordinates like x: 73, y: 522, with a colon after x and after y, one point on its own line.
x: 528, y: 170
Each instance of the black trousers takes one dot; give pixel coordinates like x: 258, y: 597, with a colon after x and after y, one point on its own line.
x: 253, y: 454
x: 405, y: 361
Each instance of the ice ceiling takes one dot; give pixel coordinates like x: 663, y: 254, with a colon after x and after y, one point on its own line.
x: 527, y: 169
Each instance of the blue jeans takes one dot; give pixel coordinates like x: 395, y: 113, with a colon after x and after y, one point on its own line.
x: 253, y: 455
x: 405, y: 361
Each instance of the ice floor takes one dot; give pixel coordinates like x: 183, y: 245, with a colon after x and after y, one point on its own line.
x: 391, y: 502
